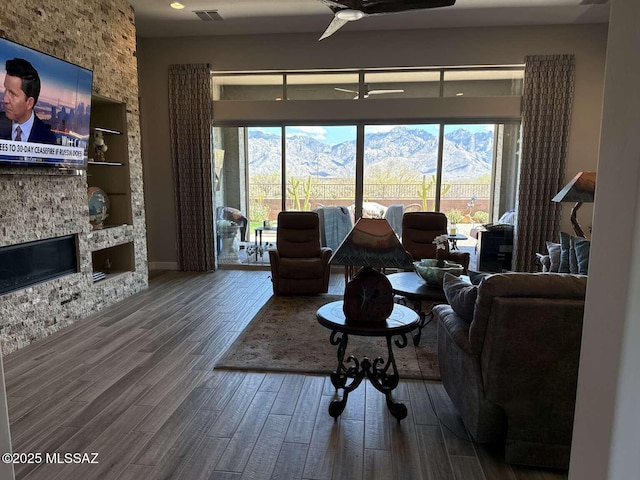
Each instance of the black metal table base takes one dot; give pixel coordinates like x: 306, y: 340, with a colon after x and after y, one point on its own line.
x: 382, y: 375
x: 425, y: 317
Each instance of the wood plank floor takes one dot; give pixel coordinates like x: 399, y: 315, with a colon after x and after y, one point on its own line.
x: 135, y: 383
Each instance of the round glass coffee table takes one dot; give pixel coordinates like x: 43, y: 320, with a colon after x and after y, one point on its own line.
x: 414, y: 288
x: 382, y: 374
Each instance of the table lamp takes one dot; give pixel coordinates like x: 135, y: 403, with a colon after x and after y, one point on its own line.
x: 580, y: 189
x: 371, y: 244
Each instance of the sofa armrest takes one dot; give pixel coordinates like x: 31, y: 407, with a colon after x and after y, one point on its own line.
x: 455, y: 326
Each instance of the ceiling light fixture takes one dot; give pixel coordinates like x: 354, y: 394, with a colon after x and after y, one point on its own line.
x: 459, y: 94
x: 177, y: 5
x: 349, y: 14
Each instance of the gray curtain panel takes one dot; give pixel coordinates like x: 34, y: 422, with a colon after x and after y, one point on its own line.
x: 190, y: 131
x: 546, y: 118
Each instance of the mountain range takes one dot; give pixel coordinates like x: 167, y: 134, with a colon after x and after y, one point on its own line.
x: 466, y: 154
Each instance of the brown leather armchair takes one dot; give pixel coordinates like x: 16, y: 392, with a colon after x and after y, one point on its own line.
x: 299, y: 264
x: 418, y: 232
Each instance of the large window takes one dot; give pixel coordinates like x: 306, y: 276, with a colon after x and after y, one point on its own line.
x: 400, y: 167
x: 451, y: 168
x: 443, y: 139
x: 314, y: 166
x: 264, y: 173
x: 502, y: 81
x: 320, y: 166
x: 467, y: 168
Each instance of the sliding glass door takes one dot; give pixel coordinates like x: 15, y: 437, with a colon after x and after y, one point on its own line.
x: 264, y: 174
x: 299, y: 168
x: 467, y: 171
x: 320, y: 166
x: 400, y: 168
x: 467, y: 167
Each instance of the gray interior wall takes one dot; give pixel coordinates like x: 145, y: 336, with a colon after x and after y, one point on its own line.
x: 606, y: 434
x: 461, y: 46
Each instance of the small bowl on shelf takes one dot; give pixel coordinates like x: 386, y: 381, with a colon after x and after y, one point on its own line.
x: 433, y: 274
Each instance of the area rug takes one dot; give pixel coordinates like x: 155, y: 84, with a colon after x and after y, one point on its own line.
x: 285, y: 336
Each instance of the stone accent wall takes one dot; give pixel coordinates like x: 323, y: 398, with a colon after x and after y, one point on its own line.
x: 35, y: 204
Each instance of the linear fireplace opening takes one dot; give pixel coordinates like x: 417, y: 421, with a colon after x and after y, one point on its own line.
x: 29, y: 263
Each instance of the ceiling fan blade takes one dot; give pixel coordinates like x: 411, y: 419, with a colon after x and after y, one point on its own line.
x: 376, y: 7
x: 345, y: 90
x: 351, y: 10
x: 336, y: 5
x: 335, y: 25
x: 381, y: 92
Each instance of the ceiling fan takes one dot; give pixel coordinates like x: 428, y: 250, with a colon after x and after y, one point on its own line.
x: 345, y: 11
x: 368, y: 92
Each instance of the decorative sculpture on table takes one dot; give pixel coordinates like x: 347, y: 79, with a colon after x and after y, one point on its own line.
x: 99, y: 146
x: 580, y: 189
x: 432, y: 270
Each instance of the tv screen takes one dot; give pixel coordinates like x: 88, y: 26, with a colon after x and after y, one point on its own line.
x: 45, y: 109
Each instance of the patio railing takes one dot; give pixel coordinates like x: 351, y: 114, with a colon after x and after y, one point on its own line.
x: 398, y: 191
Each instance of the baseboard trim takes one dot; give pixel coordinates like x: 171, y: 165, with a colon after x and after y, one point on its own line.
x: 163, y: 265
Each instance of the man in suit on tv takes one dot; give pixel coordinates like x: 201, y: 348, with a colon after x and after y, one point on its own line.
x: 21, y: 90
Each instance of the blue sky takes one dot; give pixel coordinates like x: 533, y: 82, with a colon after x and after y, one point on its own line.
x: 338, y: 134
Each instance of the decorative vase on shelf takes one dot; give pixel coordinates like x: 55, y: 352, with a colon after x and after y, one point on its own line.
x: 98, y: 207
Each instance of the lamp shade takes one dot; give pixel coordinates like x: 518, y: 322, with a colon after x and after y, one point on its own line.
x: 372, y: 243
x: 581, y: 188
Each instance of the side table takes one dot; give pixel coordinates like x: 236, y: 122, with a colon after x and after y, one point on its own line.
x: 382, y: 374
x: 258, y: 236
x: 453, y: 240
x: 411, y: 286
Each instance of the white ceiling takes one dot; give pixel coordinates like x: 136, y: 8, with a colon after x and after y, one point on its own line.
x: 155, y: 18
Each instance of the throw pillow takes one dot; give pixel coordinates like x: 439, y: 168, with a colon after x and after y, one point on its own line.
x: 476, y: 277
x: 554, y: 256
x: 582, y: 247
x: 460, y: 295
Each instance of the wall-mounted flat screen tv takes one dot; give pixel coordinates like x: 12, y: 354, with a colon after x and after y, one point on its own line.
x: 45, y: 109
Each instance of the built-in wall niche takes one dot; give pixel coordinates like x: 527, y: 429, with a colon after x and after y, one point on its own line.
x: 113, y: 261
x: 110, y: 170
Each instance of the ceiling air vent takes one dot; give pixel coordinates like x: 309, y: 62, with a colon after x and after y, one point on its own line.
x: 594, y: 2
x: 208, y: 15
